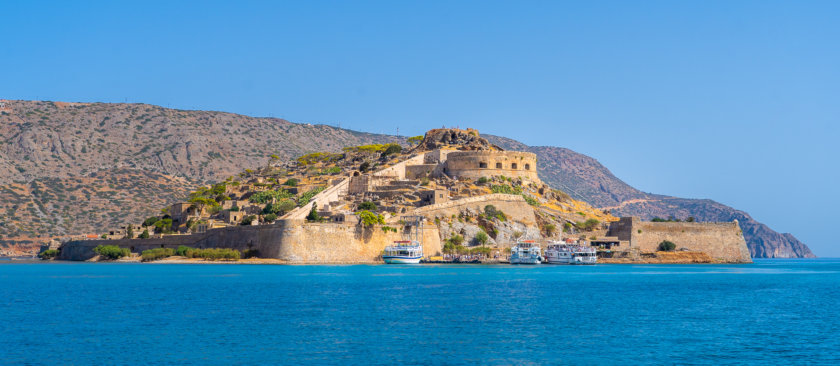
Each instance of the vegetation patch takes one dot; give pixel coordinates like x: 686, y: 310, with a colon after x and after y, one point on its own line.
x: 157, y: 253
x: 111, y: 252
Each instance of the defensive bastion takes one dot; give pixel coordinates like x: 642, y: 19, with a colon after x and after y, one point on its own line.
x: 723, y: 241
x: 477, y: 164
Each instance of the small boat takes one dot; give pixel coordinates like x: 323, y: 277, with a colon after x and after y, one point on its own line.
x: 525, y: 252
x: 403, y: 252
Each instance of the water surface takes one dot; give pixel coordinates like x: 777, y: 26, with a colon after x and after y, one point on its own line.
x: 773, y: 311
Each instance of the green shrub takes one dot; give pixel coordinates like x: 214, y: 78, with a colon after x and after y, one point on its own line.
x: 182, y: 250
x: 483, y: 180
x: 248, y: 220
x: 531, y: 200
x: 457, y: 239
x: 213, y: 253
x: 157, y: 253
x: 481, y: 237
x: 251, y: 253
x: 304, y: 199
x: 270, y: 217
x: 667, y: 246
x: 549, y: 229
x: 48, y: 254
x: 392, y: 149
x: 111, y: 251
x: 388, y: 228
x: 367, y: 205
x: 364, y: 167
x: 144, y: 234
x: 269, y: 196
x: 506, y: 189
x: 291, y: 182
x: 588, y: 225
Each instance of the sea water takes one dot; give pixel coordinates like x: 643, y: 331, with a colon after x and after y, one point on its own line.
x: 773, y: 311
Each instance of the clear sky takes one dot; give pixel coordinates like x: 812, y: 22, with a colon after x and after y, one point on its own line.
x: 737, y: 101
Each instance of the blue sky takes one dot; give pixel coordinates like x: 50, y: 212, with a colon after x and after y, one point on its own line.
x: 737, y: 101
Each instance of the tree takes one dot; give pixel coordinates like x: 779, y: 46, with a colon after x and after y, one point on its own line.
x: 481, y: 237
x: 199, y: 203
x: 667, y: 246
x: 144, y: 234
x: 313, y: 213
x: 368, y: 218
x: 291, y: 182
x: 364, y: 167
x: 392, y: 149
x: 690, y: 219
x: 270, y: 217
x: 151, y: 221
x: 367, y: 205
x: 457, y: 239
x: 129, y: 232
x: 415, y: 140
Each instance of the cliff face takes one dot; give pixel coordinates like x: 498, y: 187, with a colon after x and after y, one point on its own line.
x: 584, y: 178
x: 74, y: 168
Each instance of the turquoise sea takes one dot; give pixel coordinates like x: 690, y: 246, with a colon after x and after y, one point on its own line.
x: 770, y: 312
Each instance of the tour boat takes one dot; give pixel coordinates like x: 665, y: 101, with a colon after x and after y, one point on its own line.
x: 558, y: 253
x: 525, y: 252
x: 584, y: 255
x: 403, y: 252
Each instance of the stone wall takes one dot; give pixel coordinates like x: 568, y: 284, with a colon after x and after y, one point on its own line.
x: 514, y: 207
x: 291, y: 240
x: 477, y: 164
x: 722, y: 241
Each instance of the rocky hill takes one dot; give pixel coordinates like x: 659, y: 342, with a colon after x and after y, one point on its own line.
x: 584, y: 178
x: 75, y: 168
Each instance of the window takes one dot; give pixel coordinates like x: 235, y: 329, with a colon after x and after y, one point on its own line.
x: 527, y: 166
x: 513, y: 166
x: 498, y: 165
x: 482, y: 165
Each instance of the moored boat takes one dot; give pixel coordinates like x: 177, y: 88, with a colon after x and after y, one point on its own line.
x: 584, y: 255
x: 525, y: 252
x: 559, y: 253
x: 403, y: 252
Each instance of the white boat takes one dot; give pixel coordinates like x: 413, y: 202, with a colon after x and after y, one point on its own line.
x: 562, y: 253
x: 558, y: 253
x: 403, y: 252
x: 525, y: 252
x: 584, y: 255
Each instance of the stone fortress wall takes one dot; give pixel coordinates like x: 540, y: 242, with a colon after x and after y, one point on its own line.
x: 721, y: 240
x: 292, y: 240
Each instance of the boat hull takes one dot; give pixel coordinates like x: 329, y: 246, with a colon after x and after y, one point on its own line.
x: 401, y: 260
x: 525, y: 261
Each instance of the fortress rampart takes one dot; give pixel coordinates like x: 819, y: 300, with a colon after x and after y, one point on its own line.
x: 722, y: 241
x: 291, y: 240
x: 477, y: 164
